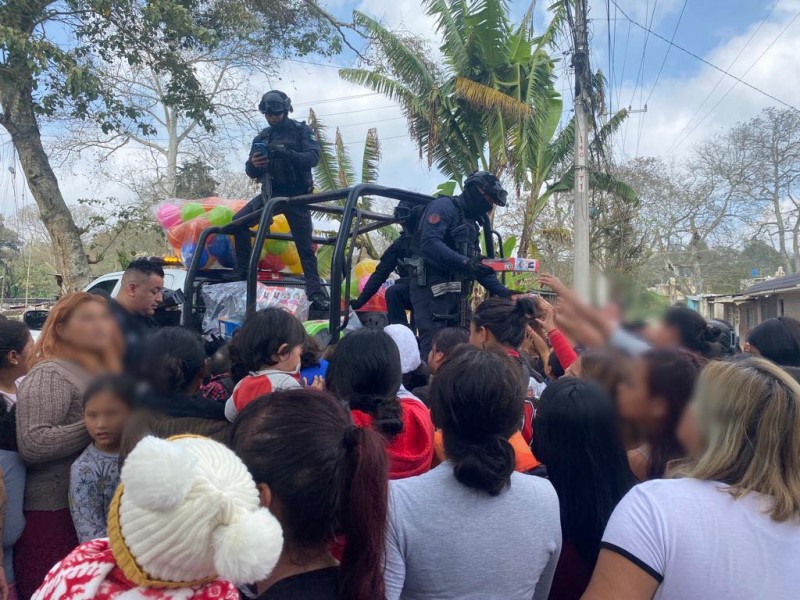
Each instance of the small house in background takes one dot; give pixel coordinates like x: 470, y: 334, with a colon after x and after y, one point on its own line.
x: 776, y: 297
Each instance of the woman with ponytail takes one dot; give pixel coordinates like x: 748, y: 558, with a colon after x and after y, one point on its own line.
x: 502, y: 324
x: 366, y: 373
x: 473, y: 527
x: 322, y: 477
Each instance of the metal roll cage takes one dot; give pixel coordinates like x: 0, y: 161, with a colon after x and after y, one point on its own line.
x: 354, y: 221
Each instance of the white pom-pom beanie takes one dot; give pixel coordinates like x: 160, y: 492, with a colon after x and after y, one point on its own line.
x: 187, y: 512
x: 407, y: 344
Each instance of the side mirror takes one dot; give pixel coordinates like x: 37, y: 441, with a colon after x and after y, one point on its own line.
x: 35, y: 319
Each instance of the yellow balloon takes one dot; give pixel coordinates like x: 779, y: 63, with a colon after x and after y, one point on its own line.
x: 366, y: 267
x: 290, y: 256
x: 279, y: 224
x: 295, y: 269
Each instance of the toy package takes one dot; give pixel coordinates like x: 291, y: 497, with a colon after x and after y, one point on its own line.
x: 226, y: 304
x: 517, y: 265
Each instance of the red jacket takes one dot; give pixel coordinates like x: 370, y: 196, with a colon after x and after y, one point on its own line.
x: 410, y: 452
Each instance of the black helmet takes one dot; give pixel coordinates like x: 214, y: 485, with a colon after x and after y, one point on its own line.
x: 489, y: 185
x: 275, y: 102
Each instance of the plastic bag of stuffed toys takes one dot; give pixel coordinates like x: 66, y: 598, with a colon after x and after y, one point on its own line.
x: 184, y: 220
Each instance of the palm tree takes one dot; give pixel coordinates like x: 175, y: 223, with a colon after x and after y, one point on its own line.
x: 494, y: 104
x: 336, y: 169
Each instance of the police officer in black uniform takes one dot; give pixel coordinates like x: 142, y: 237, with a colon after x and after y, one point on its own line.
x: 282, y: 156
x: 396, y: 258
x: 450, y: 252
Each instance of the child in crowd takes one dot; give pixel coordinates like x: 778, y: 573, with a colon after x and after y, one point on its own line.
x: 174, y: 368
x: 444, y: 342
x: 266, y: 357
x: 185, y: 524
x: 312, y: 366
x: 366, y: 372
x: 220, y: 385
x: 95, y: 474
x: 321, y: 477
x: 473, y: 527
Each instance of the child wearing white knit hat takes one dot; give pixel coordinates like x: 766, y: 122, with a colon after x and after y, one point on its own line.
x: 185, y: 524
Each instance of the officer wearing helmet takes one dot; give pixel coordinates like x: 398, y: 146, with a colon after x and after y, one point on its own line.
x: 282, y: 156
x: 396, y: 257
x: 451, y: 260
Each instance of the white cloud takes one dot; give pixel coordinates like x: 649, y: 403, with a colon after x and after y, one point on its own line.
x: 673, y: 110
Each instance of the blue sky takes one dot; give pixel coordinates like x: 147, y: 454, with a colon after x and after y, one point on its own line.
x: 677, y: 116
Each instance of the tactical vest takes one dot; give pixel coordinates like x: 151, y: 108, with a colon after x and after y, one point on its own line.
x: 287, y: 178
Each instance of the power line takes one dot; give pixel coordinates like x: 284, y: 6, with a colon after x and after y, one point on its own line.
x: 350, y: 112
x: 735, y: 83
x: 641, y: 88
x: 721, y: 78
x: 663, y: 62
x: 341, y: 98
x: 706, y: 62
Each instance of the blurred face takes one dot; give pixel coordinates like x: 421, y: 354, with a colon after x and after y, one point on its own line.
x: 688, y: 433
x: 105, y: 415
x: 664, y: 336
x: 90, y: 327
x: 635, y: 405
x: 144, y: 294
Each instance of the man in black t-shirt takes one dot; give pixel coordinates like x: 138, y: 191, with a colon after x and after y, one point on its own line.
x: 139, y: 296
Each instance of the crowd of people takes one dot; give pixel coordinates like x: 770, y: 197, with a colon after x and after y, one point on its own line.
x: 550, y: 451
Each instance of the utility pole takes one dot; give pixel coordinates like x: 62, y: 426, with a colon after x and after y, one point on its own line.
x: 581, y: 231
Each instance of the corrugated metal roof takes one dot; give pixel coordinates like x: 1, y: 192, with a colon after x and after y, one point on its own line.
x: 775, y: 285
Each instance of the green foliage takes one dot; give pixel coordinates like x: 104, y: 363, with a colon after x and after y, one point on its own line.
x: 195, y: 180
x: 448, y: 188
x: 62, y: 47
x: 494, y: 106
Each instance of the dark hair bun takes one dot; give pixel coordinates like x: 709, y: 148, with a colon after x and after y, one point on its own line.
x: 486, y: 466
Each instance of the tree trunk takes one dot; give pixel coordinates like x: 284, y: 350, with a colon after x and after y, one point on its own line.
x: 19, y: 120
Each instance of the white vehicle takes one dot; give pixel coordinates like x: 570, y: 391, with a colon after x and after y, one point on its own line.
x: 105, y: 285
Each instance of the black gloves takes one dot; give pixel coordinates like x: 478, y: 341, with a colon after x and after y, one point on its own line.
x: 476, y: 268
x: 278, y: 151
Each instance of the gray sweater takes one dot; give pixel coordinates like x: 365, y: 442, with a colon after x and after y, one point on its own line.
x: 50, y: 430
x: 14, y: 522
x: 447, y: 541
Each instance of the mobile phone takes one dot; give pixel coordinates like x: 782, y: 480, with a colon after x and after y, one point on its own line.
x: 260, y: 148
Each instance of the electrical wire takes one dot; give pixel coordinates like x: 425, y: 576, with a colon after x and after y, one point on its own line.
x: 706, y: 62
x: 721, y: 78
x: 735, y: 83
x: 666, y: 54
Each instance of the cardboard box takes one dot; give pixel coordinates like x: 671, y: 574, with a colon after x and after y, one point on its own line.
x: 518, y: 265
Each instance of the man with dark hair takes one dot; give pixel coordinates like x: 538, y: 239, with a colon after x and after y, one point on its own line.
x: 140, y: 294
x: 281, y: 157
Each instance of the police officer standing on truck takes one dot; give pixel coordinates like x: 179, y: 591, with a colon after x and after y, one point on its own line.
x: 282, y: 156
x: 450, y: 256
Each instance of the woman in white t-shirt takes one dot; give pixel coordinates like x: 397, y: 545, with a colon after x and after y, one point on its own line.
x: 731, y: 528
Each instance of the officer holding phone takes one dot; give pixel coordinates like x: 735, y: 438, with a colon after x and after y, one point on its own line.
x: 282, y: 156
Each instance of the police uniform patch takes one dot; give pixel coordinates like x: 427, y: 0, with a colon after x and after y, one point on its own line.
x: 434, y: 218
